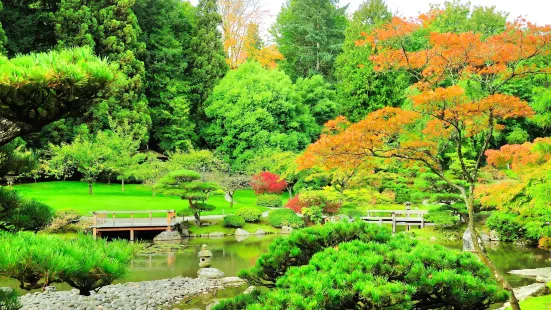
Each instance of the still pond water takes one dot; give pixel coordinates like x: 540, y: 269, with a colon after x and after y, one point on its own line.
x: 231, y: 256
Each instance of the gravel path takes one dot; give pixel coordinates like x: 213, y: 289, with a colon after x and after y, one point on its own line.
x: 160, y: 294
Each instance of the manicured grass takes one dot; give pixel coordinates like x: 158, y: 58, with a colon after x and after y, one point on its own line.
x: 217, y: 227
x: 536, y: 303
x: 74, y: 195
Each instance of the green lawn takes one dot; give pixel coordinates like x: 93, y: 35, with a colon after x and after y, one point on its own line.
x: 536, y: 303
x: 74, y: 195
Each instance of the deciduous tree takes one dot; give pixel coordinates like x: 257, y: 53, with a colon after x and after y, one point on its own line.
x: 267, y: 183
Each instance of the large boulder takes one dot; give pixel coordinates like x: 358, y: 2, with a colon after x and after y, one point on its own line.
x: 259, y: 232
x: 210, y: 273
x: 216, y: 234
x: 232, y: 282
x: 468, y: 245
x: 168, y: 236
x: 242, y: 232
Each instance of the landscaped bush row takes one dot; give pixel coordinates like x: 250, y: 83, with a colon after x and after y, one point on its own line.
x: 249, y: 214
x: 84, y: 263
x: 269, y: 201
x: 233, y: 221
x: 285, y: 217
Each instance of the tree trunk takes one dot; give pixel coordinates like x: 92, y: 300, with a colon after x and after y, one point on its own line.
x: 479, y: 250
x: 290, y: 190
x: 90, y: 188
x: 231, y: 199
x: 197, y: 218
x: 108, y: 181
x: 122, y: 187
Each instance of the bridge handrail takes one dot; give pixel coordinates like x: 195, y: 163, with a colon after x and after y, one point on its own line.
x: 399, y: 211
x: 130, y: 212
x: 100, y: 217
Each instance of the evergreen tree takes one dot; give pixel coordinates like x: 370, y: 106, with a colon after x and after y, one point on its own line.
x: 310, y: 34
x: 167, y: 29
x: 208, y: 64
x: 3, y: 38
x: 360, y: 89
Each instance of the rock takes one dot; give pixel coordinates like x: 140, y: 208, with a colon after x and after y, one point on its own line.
x: 468, y: 245
x: 536, y: 289
x: 484, y: 237
x: 452, y: 238
x: 286, y: 230
x: 216, y: 234
x: 241, y: 238
x: 209, y: 273
x: 433, y: 239
x: 249, y: 290
x: 494, y: 236
x: 533, y: 273
x: 184, y: 232
x: 168, y: 236
x: 213, y: 303
x: 242, y: 232
x: 232, y: 281
x: 259, y: 232
x: 542, y: 279
x: 193, y: 235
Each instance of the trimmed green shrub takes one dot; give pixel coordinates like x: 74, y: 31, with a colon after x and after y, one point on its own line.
x: 32, y: 216
x: 233, y: 221
x: 84, y: 263
x: 285, y: 217
x: 249, y: 214
x: 269, y: 201
x: 506, y: 225
x: 374, y: 270
x: 9, y: 300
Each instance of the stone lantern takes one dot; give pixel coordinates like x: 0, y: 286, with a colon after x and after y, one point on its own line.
x: 205, y: 257
x: 408, y: 205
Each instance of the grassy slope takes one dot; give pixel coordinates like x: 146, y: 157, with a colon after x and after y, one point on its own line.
x: 74, y: 195
x: 536, y: 303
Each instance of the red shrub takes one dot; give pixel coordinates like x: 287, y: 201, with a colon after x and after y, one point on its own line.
x: 295, y: 204
x: 268, y: 183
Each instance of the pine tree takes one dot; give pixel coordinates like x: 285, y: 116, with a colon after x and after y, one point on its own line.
x: 309, y: 34
x: 208, y: 63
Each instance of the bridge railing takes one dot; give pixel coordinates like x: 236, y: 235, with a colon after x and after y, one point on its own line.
x: 101, y: 218
x: 407, y: 213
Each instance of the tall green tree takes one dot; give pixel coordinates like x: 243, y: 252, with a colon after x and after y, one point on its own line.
x: 309, y: 34
x: 111, y: 28
x: 319, y: 96
x: 167, y: 29
x: 360, y: 89
x: 253, y: 108
x: 208, y: 61
x: 3, y: 38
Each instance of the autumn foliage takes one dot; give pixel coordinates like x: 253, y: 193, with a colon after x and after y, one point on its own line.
x: 295, y: 204
x: 268, y: 183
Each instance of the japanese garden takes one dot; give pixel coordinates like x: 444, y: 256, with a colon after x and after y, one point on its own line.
x: 218, y: 154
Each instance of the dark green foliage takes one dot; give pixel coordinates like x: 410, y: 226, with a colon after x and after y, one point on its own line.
x: 309, y: 34
x: 56, y: 83
x: 249, y: 214
x: 353, y: 213
x: 32, y: 216
x: 16, y: 159
x: 361, y: 266
x: 3, y: 38
x: 319, y: 96
x: 186, y: 184
x: 302, y: 245
x: 269, y: 201
x: 239, y: 302
x: 506, y: 225
x: 36, y: 260
x: 9, y: 299
x: 17, y: 213
x: 233, y: 221
x: 285, y: 217
x: 208, y: 62
x: 167, y: 26
x: 252, y: 109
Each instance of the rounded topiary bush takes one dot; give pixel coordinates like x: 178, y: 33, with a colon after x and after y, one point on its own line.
x: 234, y: 221
x: 249, y: 214
x: 285, y: 217
x: 269, y: 201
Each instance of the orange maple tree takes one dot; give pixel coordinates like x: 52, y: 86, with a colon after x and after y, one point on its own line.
x: 456, y: 103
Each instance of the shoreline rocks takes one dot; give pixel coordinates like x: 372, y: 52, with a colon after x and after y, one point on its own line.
x: 542, y: 275
x: 129, y: 296
x: 167, y: 236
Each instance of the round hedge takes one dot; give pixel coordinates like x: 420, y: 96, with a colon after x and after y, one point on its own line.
x: 285, y: 217
x: 269, y: 201
x: 249, y: 214
x: 233, y: 221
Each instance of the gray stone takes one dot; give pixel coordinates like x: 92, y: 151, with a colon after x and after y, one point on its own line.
x: 484, y: 236
x: 468, y: 245
x: 184, y: 232
x: 241, y: 232
x: 533, y: 273
x: 216, y: 234
x: 494, y: 236
x: 209, y: 273
x: 232, y: 281
x: 433, y: 239
x: 259, y: 232
x: 249, y: 290
x: 168, y: 236
x: 286, y: 230
x: 535, y: 289
x: 241, y: 238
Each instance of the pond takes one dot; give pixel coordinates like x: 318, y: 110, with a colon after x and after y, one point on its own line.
x: 231, y: 256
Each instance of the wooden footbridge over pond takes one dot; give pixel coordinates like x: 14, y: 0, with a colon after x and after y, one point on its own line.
x: 132, y: 221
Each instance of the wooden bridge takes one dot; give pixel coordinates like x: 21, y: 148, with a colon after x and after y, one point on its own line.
x: 397, y: 217
x: 102, y: 222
